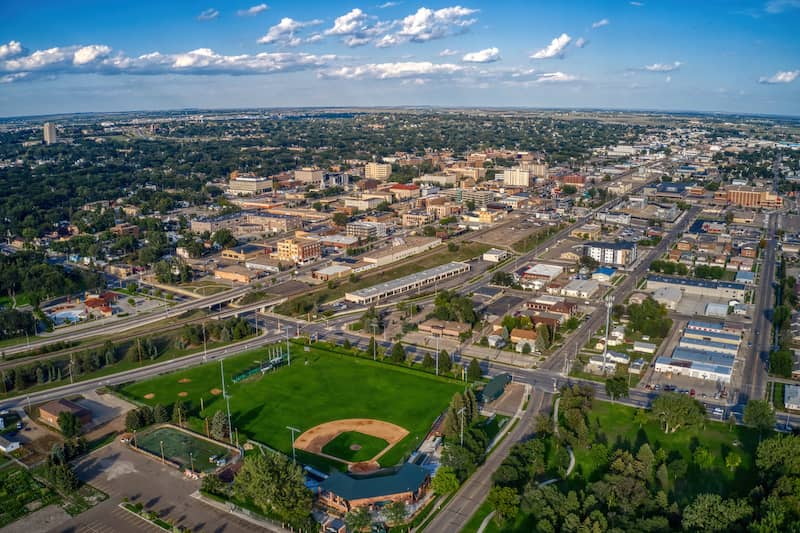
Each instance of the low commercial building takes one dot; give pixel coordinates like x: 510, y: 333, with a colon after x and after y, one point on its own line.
x: 446, y: 328
x: 235, y: 273
x: 408, y: 283
x: 407, y: 483
x: 644, y: 347
x: 495, y: 255
x: 581, y: 288
x: 697, y: 364
x: 699, y: 287
x: 248, y: 184
x: 589, y: 232
x: 604, y: 274
x: 244, y: 252
x: 332, y: 272
x: 791, y: 397
x: 8, y: 446
x: 669, y: 297
x: 416, y: 218
x: 366, y: 230
x: 708, y: 346
x: 48, y: 413
x: 542, y: 271
x: 362, y: 204
x: 405, y: 191
x: 716, y: 310
x: 401, y: 249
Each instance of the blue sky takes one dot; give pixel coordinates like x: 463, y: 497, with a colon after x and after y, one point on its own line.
x: 78, y: 56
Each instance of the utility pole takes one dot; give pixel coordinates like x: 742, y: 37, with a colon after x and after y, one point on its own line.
x: 374, y: 341
x: 288, y: 352
x: 293, y: 430
x: 609, y: 305
x: 461, y: 412
x: 225, y: 395
x: 205, y: 348
x: 191, y: 461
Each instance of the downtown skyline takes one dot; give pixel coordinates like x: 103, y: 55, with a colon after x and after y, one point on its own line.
x: 726, y: 56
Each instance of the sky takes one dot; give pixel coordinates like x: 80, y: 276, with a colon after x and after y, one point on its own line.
x: 710, y: 55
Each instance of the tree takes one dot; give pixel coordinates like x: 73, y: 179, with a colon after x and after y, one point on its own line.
x: 276, y: 486
x: 224, y: 238
x: 617, y: 387
x: 133, y: 420
x: 219, y: 426
x: 640, y: 417
x: 731, y: 421
x: 444, y: 481
x: 340, y: 219
x: 398, y: 353
x: 179, y: 413
x: 396, y: 513
x: 358, y: 519
x: 709, y: 512
x: 474, y: 371
x: 543, y: 337
x: 759, y: 414
x: 505, y: 503
x: 445, y: 363
x: 428, y: 362
x: 703, y: 458
x: 733, y: 460
x: 677, y: 410
x: 160, y: 414
x: 69, y: 424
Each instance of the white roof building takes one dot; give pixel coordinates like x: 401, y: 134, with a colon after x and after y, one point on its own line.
x: 581, y: 288
x: 791, y: 397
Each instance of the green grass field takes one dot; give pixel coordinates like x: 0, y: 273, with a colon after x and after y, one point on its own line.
x: 178, y: 446
x: 319, y: 387
x: 618, y: 429
x: 367, y: 446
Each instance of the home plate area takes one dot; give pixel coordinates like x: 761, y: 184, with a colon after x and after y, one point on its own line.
x: 358, y: 442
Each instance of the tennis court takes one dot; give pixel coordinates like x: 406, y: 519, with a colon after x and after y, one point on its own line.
x: 183, y: 448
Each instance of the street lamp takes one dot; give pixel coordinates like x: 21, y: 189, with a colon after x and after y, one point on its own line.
x: 227, y: 398
x: 288, y: 352
x: 609, y: 304
x: 191, y: 462
x: 374, y: 342
x: 293, y: 431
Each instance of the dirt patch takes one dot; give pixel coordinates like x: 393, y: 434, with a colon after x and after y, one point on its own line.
x: 149, y: 396
x: 364, y: 468
x: 314, y: 439
x: 216, y: 392
x: 183, y: 394
x: 184, y: 380
x: 355, y: 447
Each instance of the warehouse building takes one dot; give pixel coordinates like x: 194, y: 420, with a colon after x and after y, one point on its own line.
x: 699, y: 287
x: 405, y: 284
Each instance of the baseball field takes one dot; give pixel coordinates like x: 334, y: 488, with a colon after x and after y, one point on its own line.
x: 344, y: 407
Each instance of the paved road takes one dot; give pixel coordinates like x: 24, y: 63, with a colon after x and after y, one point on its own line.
x: 457, y: 513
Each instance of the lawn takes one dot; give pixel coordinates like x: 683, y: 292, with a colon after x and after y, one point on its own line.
x: 178, y: 445
x: 354, y: 446
x: 20, y: 494
x: 319, y: 387
x: 614, y: 424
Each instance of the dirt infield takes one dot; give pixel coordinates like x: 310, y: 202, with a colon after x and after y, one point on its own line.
x: 314, y: 439
x: 149, y: 396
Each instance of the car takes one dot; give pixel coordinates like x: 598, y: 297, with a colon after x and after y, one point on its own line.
x: 692, y: 393
x: 19, y: 425
x: 657, y: 387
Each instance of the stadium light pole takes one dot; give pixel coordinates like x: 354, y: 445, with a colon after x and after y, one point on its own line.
x: 288, y: 352
x: 374, y: 342
x: 293, y: 430
x: 461, y: 412
x: 205, y: 347
x: 225, y: 395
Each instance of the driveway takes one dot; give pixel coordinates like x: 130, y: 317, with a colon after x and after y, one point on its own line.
x: 123, y: 473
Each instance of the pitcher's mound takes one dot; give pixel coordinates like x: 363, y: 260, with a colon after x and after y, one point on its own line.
x: 216, y: 392
x: 149, y: 396
x: 184, y: 380
x: 364, y: 468
x: 355, y: 447
x: 183, y: 394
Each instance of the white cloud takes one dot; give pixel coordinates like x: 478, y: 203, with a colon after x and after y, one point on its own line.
x: 554, y: 49
x: 447, y: 52
x: 349, y: 23
x: 783, y: 76
x: 427, y: 24
x: 388, y: 4
x: 208, y: 14
x: 779, y: 6
x: 581, y: 42
x: 11, y: 49
x: 488, y: 55
x: 600, y: 23
x: 388, y: 71
x: 637, y: 4
x: 100, y: 59
x: 663, y: 67
x: 285, y: 32
x: 88, y: 54
x: 556, y: 77
x: 253, y: 10
x: 668, y: 79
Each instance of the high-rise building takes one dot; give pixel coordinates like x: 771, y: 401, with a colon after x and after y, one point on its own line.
x: 619, y: 254
x: 516, y: 177
x: 298, y: 250
x: 49, y: 133
x: 311, y: 176
x: 377, y: 171
x: 749, y: 197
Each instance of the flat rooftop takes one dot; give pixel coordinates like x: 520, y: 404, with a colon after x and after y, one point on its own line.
x: 399, y: 283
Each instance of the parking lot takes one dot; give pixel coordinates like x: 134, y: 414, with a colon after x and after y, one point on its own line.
x: 123, y: 473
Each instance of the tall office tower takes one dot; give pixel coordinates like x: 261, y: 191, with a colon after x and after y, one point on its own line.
x: 49, y: 133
